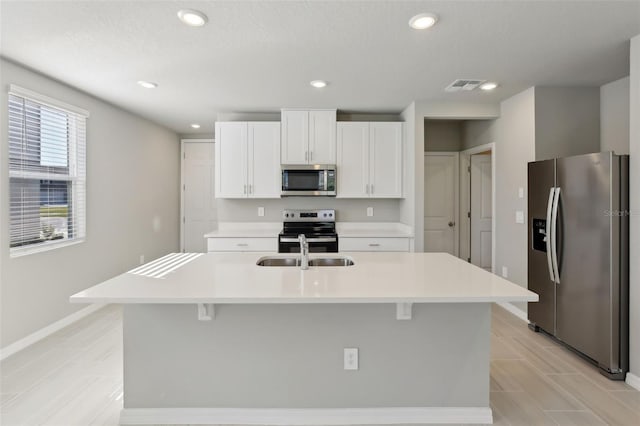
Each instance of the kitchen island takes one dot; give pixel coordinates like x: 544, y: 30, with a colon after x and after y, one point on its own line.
x: 217, y: 339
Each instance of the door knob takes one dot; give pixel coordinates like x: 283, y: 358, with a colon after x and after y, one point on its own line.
x: 452, y: 224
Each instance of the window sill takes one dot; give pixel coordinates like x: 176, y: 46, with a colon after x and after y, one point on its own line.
x: 25, y: 251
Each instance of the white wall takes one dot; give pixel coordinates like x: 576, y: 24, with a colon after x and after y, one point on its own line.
x: 432, y: 110
x: 477, y: 132
x: 442, y: 135
x: 614, y: 116
x: 515, y: 132
x: 132, y: 209
x: 634, y: 166
x: 567, y: 121
x: 407, y: 205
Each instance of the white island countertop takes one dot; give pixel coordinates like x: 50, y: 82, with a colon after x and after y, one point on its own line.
x: 234, y: 278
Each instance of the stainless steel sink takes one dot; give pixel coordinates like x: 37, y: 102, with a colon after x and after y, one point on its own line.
x: 331, y: 261
x: 278, y: 261
x: 295, y: 261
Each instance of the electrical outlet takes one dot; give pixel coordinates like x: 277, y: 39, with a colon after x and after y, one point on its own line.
x: 261, y: 211
x: 505, y: 272
x: 520, y: 192
x: 350, y: 358
x: 519, y: 216
x: 370, y: 211
x: 142, y: 259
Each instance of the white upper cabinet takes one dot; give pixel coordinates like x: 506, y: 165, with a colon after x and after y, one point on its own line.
x: 385, y: 152
x: 247, y: 159
x: 353, y: 160
x: 231, y: 160
x: 264, y: 160
x: 369, y: 160
x: 308, y: 136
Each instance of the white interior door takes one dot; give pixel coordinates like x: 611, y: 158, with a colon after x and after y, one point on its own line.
x: 440, y: 202
x: 198, y: 201
x: 481, y: 211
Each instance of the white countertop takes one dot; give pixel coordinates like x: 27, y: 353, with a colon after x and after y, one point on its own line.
x: 246, y: 230
x: 234, y: 278
x: 373, y: 230
x: 344, y: 229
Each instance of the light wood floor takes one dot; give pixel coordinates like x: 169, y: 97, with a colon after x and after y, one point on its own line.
x: 74, y: 378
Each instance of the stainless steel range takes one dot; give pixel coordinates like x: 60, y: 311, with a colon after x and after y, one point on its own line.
x: 318, y: 226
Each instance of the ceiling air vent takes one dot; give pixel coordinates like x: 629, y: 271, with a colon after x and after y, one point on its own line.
x: 463, y: 84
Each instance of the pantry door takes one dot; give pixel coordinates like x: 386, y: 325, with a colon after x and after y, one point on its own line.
x: 440, y: 202
x: 198, y: 201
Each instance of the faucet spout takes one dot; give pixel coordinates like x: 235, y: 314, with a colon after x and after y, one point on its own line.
x: 304, y: 252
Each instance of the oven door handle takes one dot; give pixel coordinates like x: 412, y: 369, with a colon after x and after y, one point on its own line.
x: 310, y: 240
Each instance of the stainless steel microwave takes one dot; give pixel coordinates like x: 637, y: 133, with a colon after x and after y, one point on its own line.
x: 308, y: 180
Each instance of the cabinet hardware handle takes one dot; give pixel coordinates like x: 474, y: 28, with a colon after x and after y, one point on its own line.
x: 242, y: 244
x: 306, y: 156
x: 245, y: 189
x: 451, y: 224
x: 366, y: 188
x: 374, y: 245
x: 250, y: 189
x: 371, y: 189
x: 310, y: 155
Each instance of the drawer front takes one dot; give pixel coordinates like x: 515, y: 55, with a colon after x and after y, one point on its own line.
x: 373, y: 244
x: 242, y: 244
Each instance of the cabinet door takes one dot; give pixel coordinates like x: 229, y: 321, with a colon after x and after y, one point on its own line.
x: 295, y: 137
x: 322, y: 137
x: 386, y: 160
x: 264, y: 160
x: 231, y: 159
x: 353, y: 160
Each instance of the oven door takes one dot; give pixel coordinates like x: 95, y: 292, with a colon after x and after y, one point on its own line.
x: 317, y: 244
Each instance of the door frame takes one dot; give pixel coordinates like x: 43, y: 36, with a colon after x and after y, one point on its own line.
x: 182, y: 158
x: 456, y: 197
x: 465, y: 193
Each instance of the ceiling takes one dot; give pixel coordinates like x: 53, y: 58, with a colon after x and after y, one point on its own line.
x: 259, y: 56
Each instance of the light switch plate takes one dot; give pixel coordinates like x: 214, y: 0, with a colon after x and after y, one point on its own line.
x: 519, y: 216
x: 261, y: 211
x: 350, y: 358
x: 505, y: 272
x: 369, y: 211
x: 520, y: 192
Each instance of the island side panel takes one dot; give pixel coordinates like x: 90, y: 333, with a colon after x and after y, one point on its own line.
x: 291, y: 356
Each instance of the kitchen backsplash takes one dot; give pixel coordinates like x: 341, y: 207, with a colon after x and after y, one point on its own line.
x: 347, y: 210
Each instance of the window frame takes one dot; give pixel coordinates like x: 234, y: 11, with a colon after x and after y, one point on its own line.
x: 77, y: 177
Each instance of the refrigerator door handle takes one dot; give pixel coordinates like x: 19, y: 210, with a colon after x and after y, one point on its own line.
x: 554, y: 242
x: 548, y: 234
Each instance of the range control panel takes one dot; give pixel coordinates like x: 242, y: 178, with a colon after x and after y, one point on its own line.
x: 309, y: 215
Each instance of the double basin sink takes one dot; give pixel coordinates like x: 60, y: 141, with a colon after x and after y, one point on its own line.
x: 295, y: 261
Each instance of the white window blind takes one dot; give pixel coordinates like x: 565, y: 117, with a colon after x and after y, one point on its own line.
x: 47, y: 174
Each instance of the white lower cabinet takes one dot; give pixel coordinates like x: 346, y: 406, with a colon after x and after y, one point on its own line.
x: 242, y: 244
x: 373, y: 244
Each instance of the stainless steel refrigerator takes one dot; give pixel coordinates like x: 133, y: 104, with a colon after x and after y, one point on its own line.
x: 578, y: 255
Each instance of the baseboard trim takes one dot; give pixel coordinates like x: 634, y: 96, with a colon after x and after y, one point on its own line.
x: 47, y: 331
x: 306, y: 416
x: 514, y: 310
x: 633, y: 381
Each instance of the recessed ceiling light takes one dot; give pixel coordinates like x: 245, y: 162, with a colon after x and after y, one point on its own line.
x: 195, y: 125
x: 318, y: 84
x: 193, y: 18
x: 147, y: 84
x: 423, y: 21
x: 489, y: 85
